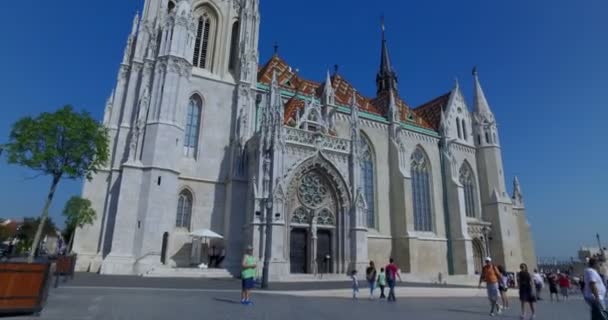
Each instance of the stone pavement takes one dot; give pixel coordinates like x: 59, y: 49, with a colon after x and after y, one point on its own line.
x: 89, y: 303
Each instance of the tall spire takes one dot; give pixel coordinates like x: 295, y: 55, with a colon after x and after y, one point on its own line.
x: 386, y: 78
x: 518, y: 197
x: 328, y: 91
x: 481, y: 104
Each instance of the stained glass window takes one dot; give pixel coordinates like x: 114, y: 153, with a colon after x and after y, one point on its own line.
x: 368, y: 180
x: 468, y: 183
x: 193, y: 122
x: 184, y: 210
x: 421, y: 191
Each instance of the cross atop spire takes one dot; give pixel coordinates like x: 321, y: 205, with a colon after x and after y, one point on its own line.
x: 386, y: 78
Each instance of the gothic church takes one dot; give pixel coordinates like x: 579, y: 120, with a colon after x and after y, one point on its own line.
x: 317, y: 177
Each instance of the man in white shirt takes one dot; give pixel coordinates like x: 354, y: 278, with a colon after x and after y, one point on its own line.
x: 594, y: 290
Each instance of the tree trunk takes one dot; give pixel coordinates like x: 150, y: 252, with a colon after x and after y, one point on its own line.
x: 43, y: 217
x: 71, y: 243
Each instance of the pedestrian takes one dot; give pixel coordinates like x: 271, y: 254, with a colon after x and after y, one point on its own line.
x: 490, y: 275
x: 248, y: 273
x: 392, y: 273
x: 526, y: 296
x: 552, y: 280
x: 382, y: 282
x: 353, y: 277
x: 503, y: 287
x: 594, y: 291
x: 564, y: 285
x: 538, y: 284
x: 371, y: 276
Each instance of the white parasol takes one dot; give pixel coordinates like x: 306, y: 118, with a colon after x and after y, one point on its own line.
x: 205, y: 234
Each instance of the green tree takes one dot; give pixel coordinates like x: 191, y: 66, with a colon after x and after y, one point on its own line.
x: 63, y: 144
x: 78, y: 213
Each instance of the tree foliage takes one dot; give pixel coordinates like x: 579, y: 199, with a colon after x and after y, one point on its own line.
x: 78, y: 213
x: 63, y: 143
x: 60, y: 144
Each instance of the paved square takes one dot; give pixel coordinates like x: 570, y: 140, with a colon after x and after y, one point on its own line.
x: 71, y: 303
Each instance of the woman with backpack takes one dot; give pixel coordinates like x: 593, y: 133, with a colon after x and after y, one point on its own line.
x: 370, y: 275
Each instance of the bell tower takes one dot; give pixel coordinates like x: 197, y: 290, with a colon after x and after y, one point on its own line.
x: 497, y: 208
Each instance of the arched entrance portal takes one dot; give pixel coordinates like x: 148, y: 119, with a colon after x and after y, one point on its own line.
x: 478, y: 255
x: 313, y: 224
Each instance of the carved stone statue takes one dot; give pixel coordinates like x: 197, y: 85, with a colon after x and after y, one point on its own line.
x: 143, y: 104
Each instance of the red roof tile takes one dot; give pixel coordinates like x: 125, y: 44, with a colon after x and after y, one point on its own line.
x: 431, y: 111
x: 290, y: 80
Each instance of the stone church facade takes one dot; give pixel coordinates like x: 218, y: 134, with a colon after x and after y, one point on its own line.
x: 317, y: 177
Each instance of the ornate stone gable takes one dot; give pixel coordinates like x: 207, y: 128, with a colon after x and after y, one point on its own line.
x: 321, y: 165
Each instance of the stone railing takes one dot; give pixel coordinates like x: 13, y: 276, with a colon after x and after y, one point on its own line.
x: 317, y: 140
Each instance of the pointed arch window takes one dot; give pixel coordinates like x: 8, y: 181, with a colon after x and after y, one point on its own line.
x: 459, y: 129
x: 193, y: 124
x: 234, y: 47
x: 368, y: 179
x: 421, y: 191
x: 464, y: 130
x: 467, y: 179
x: 184, y: 210
x: 204, y: 43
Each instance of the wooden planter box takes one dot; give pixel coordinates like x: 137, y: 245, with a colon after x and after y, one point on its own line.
x: 64, y: 266
x: 23, y: 287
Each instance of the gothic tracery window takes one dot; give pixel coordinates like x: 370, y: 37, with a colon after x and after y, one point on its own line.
x: 313, y: 192
x: 205, y: 37
x: 325, y: 218
x: 300, y: 216
x: 368, y: 180
x: 468, y: 183
x: 184, y: 210
x: 421, y: 191
x: 193, y: 123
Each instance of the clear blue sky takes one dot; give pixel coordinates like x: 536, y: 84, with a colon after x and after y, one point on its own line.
x: 542, y: 64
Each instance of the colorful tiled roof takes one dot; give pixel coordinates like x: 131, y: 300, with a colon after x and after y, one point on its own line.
x: 431, y: 111
x: 289, y: 80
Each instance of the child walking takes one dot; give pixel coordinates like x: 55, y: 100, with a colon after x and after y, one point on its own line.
x: 382, y: 283
x: 353, y: 276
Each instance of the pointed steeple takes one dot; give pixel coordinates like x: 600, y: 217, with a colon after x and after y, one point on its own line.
x: 518, y: 197
x: 386, y: 78
x: 481, y: 104
x: 135, y: 24
x: 328, y: 91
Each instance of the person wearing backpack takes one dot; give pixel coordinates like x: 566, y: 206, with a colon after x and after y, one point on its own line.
x: 490, y: 275
x: 392, y: 273
x: 370, y: 276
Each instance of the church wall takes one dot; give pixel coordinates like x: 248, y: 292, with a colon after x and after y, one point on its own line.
x: 212, y: 162
x: 528, y: 251
x: 207, y: 212
x: 86, y: 239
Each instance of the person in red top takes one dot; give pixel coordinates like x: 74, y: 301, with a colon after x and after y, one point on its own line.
x: 392, y: 273
x: 564, y: 285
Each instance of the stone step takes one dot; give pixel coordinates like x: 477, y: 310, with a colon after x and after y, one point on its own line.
x: 188, y: 273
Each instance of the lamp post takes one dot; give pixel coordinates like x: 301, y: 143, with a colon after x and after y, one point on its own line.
x: 267, y: 243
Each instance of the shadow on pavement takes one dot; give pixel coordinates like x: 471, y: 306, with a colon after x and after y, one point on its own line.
x: 227, y: 300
